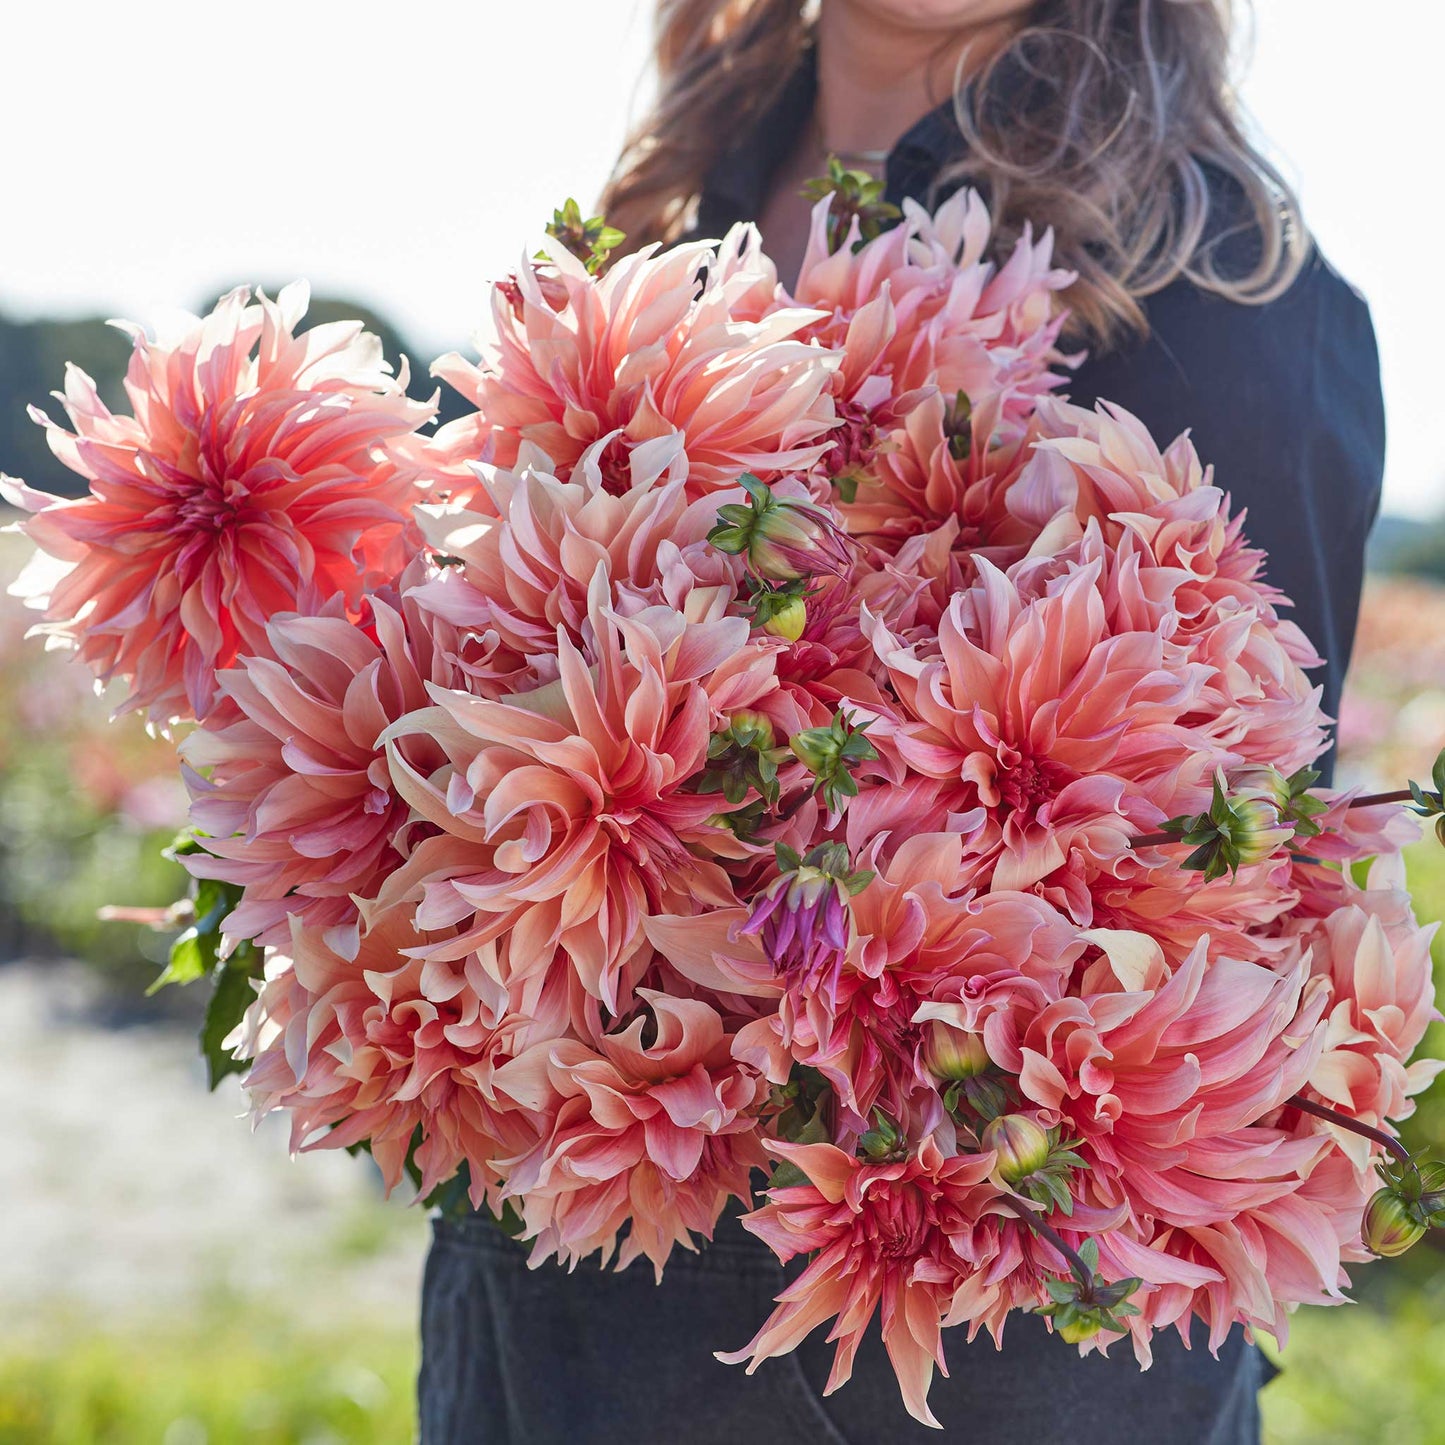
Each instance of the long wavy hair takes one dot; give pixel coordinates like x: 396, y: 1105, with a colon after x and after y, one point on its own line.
x: 1113, y: 121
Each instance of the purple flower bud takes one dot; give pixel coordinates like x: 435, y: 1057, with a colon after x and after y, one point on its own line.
x: 793, y: 540
x: 802, y: 922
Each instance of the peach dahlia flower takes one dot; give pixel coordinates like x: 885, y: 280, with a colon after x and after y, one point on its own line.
x: 889, y: 1239
x: 562, y: 813
x: 294, y: 795
x: 254, y: 478
x: 657, y: 346
x: 652, y: 1124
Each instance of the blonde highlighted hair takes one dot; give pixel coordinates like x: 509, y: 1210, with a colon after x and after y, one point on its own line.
x: 1113, y: 121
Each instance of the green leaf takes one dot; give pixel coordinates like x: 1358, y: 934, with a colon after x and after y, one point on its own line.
x: 230, y: 999
x: 193, y: 954
x: 188, y: 961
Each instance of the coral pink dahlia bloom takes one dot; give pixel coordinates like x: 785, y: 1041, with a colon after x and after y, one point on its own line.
x: 563, y: 812
x: 885, y: 1237
x: 653, y: 1124
x: 297, y: 803
x: 253, y: 479
x: 646, y: 351
x: 369, y: 1043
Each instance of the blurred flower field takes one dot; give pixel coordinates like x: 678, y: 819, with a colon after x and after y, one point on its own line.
x: 167, y: 1278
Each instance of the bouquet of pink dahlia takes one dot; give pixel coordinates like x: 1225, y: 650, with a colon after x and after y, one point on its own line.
x: 775, y: 750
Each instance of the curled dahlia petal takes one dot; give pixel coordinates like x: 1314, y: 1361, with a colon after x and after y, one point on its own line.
x: 294, y: 795
x: 655, y: 347
x: 653, y: 1123
x: 255, y: 477
x: 895, y: 1238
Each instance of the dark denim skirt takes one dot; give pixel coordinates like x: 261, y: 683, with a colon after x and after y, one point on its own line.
x: 512, y: 1356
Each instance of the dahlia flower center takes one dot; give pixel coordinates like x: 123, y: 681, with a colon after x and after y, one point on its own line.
x: 614, y: 462
x: 213, y: 506
x: 898, y: 1232
x: 645, y: 842
x: 1030, y: 783
x: 855, y: 442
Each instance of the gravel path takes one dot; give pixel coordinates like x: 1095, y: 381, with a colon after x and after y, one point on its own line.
x: 127, y: 1190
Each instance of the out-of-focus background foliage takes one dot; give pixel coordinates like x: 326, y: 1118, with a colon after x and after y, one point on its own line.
x: 165, y: 1276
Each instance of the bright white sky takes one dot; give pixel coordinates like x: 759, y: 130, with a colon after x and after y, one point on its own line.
x: 157, y: 151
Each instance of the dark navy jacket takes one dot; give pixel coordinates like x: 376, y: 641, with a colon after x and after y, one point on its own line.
x: 1283, y: 399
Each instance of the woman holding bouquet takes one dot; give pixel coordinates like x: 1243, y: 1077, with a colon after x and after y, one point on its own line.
x: 1201, y: 304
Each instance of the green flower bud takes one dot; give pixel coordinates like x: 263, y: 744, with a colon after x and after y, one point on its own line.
x: 1077, y: 1330
x: 1257, y: 833
x: 831, y: 753
x: 1022, y: 1145
x: 884, y: 1142
x: 953, y: 1054
x: 1262, y: 780
x: 788, y: 620
x: 1390, y: 1225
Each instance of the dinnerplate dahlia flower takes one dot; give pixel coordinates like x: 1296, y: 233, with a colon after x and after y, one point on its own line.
x: 253, y: 478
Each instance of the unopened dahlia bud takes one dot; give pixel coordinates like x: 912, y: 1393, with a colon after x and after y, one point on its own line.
x: 1239, y: 828
x: 801, y: 919
x: 1263, y: 781
x: 884, y: 1142
x: 831, y: 753
x: 784, y: 539
x: 1390, y: 1225
x: 789, y: 620
x: 953, y: 1054
x: 1257, y: 833
x: 743, y: 758
x: 1075, y: 1331
x: 1022, y: 1145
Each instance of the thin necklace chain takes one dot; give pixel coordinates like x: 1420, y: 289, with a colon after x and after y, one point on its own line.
x: 855, y: 158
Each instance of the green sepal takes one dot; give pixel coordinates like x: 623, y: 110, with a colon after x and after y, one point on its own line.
x: 958, y: 426
x: 853, y: 193
x: 591, y: 241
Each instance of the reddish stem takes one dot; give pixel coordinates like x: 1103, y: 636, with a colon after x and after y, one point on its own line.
x: 1044, y: 1230
x: 1400, y: 795
x: 1333, y: 1116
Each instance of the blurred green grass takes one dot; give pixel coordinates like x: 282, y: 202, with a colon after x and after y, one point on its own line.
x: 245, y: 1376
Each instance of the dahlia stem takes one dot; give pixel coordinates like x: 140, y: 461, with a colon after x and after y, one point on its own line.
x: 1333, y: 1116
x: 1046, y: 1231
x: 1400, y: 795
x: 1367, y: 800
x: 793, y: 807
